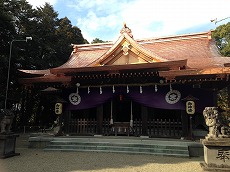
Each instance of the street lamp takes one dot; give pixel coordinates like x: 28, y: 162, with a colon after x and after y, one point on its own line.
x: 8, y: 73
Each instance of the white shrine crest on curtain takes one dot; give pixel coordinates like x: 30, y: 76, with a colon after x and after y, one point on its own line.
x: 173, y: 96
x: 75, y: 98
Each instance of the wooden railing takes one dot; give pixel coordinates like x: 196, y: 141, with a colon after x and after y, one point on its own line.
x: 164, y: 128
x: 82, y: 126
x: 87, y: 126
x: 155, y: 127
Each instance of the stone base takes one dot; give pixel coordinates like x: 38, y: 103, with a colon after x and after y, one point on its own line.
x: 216, y: 154
x: 7, y: 145
x: 206, y: 167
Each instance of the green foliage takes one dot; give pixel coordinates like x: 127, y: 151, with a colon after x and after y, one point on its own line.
x: 49, y: 48
x: 67, y: 35
x: 97, y: 40
x: 7, y: 30
x: 52, y: 36
x: 222, y: 37
x: 223, y: 104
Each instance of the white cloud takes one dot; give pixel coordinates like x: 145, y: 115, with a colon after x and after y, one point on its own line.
x: 173, y: 15
x: 103, y: 19
x: 93, y: 26
x: 38, y: 3
x: 148, y: 18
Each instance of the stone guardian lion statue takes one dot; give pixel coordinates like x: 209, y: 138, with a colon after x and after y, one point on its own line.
x: 6, y: 118
x: 211, y: 119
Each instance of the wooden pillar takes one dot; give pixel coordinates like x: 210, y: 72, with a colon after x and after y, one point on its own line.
x: 214, y: 93
x: 144, y: 116
x: 67, y: 118
x: 185, y: 123
x: 99, y: 119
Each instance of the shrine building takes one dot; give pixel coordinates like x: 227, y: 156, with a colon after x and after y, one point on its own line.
x: 155, y: 87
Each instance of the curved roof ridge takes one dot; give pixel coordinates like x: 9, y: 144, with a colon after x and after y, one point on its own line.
x: 83, y: 47
x: 176, y: 37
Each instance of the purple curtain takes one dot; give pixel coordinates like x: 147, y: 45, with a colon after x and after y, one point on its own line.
x: 148, y: 97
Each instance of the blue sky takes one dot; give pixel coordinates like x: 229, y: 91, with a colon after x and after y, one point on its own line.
x: 104, y: 19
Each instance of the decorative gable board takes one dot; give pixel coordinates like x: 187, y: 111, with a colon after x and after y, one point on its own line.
x: 128, y: 51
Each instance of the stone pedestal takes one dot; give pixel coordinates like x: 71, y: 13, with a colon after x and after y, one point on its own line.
x: 216, y: 154
x: 7, y: 145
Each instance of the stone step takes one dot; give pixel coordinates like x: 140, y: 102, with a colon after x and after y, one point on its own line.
x: 119, y: 147
x: 143, y: 145
x: 116, y: 151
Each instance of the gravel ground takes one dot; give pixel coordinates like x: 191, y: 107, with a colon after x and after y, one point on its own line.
x: 37, y: 160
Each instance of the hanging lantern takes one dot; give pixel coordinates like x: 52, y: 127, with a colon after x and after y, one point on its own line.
x: 58, y: 108
x: 190, y: 107
x: 190, y: 104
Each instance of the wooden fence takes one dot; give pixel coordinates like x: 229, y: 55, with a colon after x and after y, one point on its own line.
x: 155, y: 127
x: 164, y: 128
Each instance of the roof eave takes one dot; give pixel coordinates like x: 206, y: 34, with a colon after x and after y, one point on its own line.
x: 157, y: 65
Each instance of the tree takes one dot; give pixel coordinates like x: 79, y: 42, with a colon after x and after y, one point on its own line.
x: 223, y: 102
x: 222, y: 37
x: 45, y: 38
x: 49, y: 48
x: 97, y: 40
x: 67, y: 35
x: 7, y: 31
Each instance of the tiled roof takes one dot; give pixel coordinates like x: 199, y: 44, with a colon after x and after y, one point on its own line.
x: 199, y: 49
x: 83, y: 58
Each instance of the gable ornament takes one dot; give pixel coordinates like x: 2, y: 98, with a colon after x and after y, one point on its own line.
x: 125, y: 48
x: 127, y: 30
